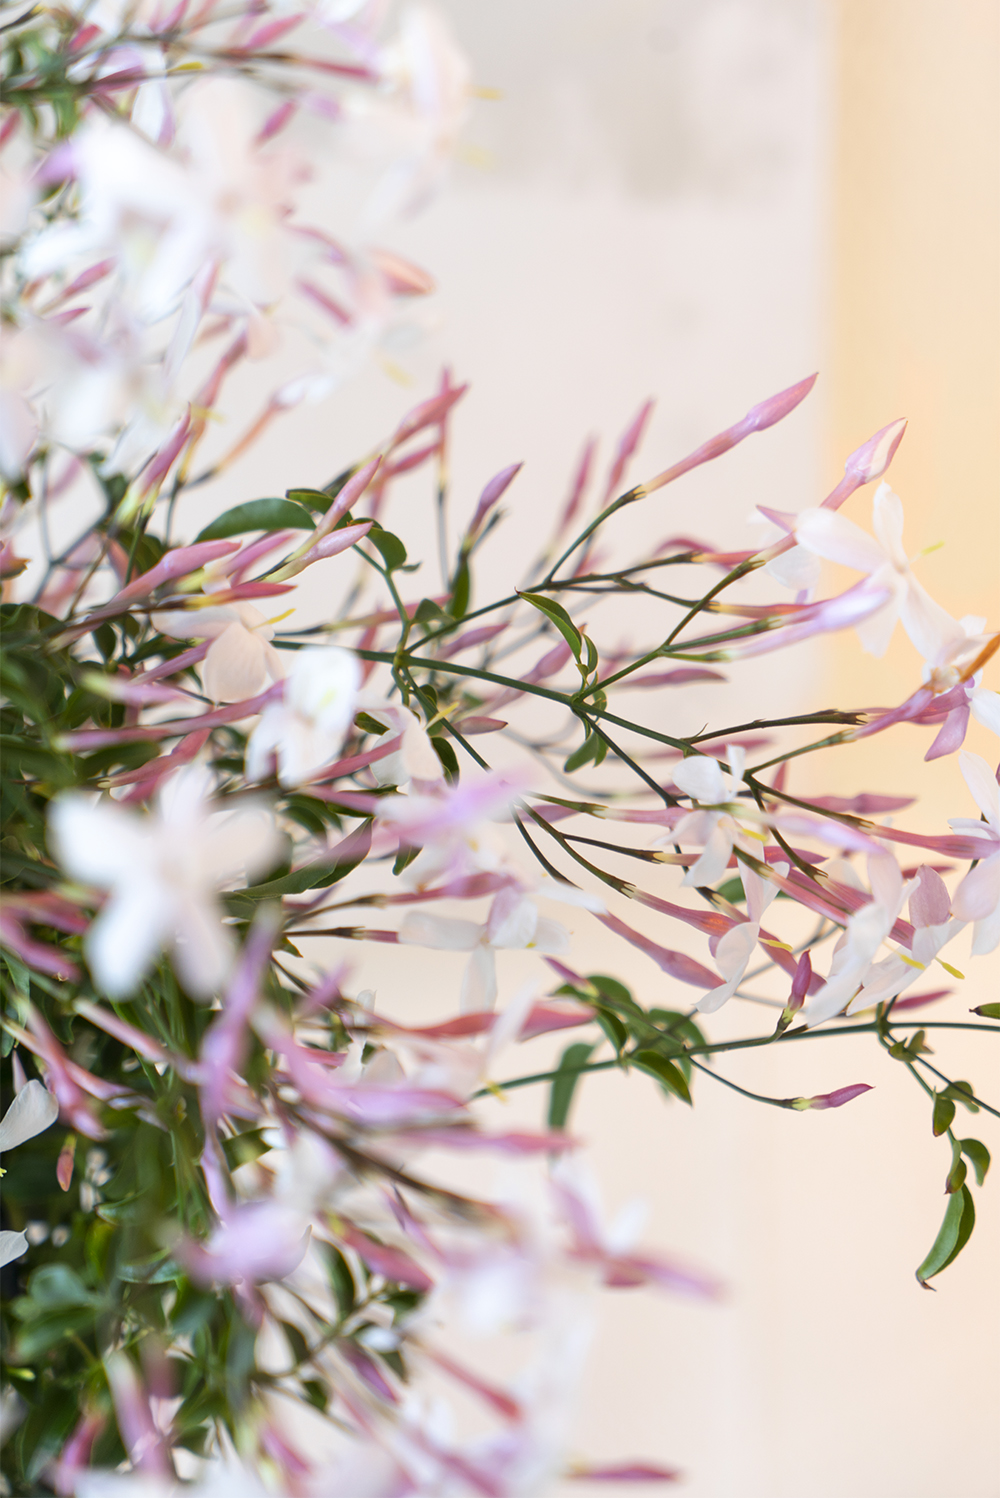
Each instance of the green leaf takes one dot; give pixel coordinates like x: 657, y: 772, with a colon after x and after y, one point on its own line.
x: 612, y: 989
x: 944, y: 1114
x: 449, y: 759
x: 978, y: 1154
x: 954, y: 1234
x: 961, y: 1092
x: 58, y: 1285
x: 46, y: 1331
x: 429, y: 612
x: 557, y: 615
x: 296, y: 1341
x: 956, y: 1176
x: 669, y: 1075
x: 593, y: 748
x: 313, y: 876
x: 368, y: 724
x: 391, y: 547
x: 461, y: 590
x: 315, y: 1393
x: 732, y: 891
x: 259, y: 515
x: 564, y: 1082
x: 612, y: 1027
x: 988, y: 1011
x: 243, y: 1148
x: 344, y: 1288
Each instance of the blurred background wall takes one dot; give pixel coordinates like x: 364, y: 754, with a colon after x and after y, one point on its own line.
x: 704, y: 200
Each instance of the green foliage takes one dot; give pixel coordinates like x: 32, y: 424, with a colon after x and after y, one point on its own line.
x: 259, y: 515
x: 954, y: 1234
x: 564, y: 1083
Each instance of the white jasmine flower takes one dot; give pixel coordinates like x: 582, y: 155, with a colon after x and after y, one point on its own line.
x: 240, y: 659
x: 831, y: 535
x: 715, y: 827
x: 866, y: 930
x: 736, y: 947
x: 163, y: 873
x: 305, y: 730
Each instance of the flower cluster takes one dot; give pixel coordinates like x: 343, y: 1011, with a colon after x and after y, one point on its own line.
x: 239, y: 1258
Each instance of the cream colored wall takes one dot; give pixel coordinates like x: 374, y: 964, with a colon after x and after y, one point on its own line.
x: 704, y: 201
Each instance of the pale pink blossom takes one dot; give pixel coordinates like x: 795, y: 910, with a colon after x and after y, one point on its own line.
x: 163, y: 872
x: 978, y: 896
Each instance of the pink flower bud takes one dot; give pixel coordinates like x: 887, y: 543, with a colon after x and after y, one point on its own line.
x: 835, y: 1099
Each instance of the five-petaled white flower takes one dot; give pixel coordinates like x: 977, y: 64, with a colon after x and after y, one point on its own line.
x: 163, y: 873
x: 712, y: 824
x: 240, y: 659
x: 304, y: 731
x: 34, y: 1109
x: 978, y: 896
x: 831, y: 535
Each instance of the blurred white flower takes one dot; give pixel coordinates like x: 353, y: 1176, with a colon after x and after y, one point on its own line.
x: 214, y: 197
x: 306, y: 729
x: 163, y: 872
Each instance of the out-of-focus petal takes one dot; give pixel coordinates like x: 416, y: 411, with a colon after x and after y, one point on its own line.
x: 701, y: 778
x: 441, y: 933
x: 887, y: 519
x: 931, y: 628
x: 96, y: 842
x: 203, y: 948
x: 235, y: 667
x: 34, y: 1109
x: 983, y: 784
x: 123, y: 940
x: 12, y: 1246
x: 979, y: 892
x: 986, y: 708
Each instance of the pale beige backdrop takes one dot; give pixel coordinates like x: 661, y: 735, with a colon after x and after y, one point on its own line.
x: 704, y: 200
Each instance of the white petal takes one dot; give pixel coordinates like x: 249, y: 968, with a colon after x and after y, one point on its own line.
x: 274, y: 726
x: 512, y: 920
x: 98, y: 843
x: 12, y: 1246
x: 839, y: 540
x: 876, y: 631
x: 246, y: 842
x: 203, y: 948
x: 797, y: 569
x: 979, y: 892
x: 182, y: 798
x: 551, y: 937
x: 701, y: 778
x: 323, y: 685
x: 126, y: 936
x: 735, y: 949
x: 986, y: 708
x: 713, y: 862
x: 986, y: 937
x: 887, y: 518
x: 983, y: 784
x: 235, y: 667
x: 34, y: 1108
x: 479, y: 981
x: 736, y: 757
x: 439, y: 932
x: 931, y: 628
x: 194, y: 624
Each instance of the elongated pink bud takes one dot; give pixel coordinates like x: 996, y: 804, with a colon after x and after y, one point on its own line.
x: 348, y: 496
x: 180, y: 562
x: 496, y: 487
x: 757, y: 419
x: 625, y: 1472
x: 824, y: 618
x: 429, y: 413
x: 835, y: 1099
x: 871, y: 460
x: 800, y: 983
x: 630, y: 440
